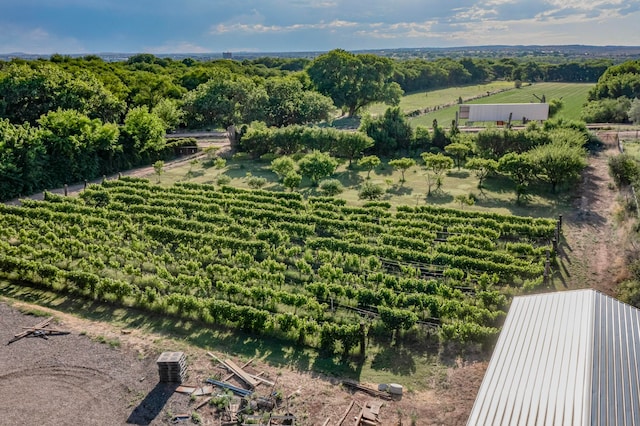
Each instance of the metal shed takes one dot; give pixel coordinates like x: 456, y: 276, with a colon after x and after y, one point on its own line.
x: 567, y: 358
x: 504, y: 112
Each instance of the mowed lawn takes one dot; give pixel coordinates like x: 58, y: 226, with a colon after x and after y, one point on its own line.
x: 421, y: 100
x: 574, y: 96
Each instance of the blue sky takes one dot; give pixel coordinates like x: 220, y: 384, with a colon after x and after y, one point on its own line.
x: 199, y: 26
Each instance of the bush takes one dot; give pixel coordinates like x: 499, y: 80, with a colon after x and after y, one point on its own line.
x: 331, y: 187
x: 220, y: 163
x: 370, y: 191
x: 623, y: 169
x: 223, y: 180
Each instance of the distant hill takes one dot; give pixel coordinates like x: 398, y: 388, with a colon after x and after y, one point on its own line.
x: 548, y: 53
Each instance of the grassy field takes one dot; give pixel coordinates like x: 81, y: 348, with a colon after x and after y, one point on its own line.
x: 497, y: 195
x: 574, y: 95
x: 422, y: 100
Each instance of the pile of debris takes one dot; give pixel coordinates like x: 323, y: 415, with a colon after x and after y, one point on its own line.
x: 239, y: 403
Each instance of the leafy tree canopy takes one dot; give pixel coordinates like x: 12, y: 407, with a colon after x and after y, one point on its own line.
x: 355, y: 81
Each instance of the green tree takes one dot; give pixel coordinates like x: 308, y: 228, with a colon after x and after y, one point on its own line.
x: 402, y: 164
x: 158, y: 168
x: 77, y: 147
x: 352, y: 144
x: 23, y: 160
x: 282, y: 166
x: 355, y: 81
x: 317, y: 165
x: 369, y: 163
x: 224, y: 100
x: 145, y: 129
x: 438, y: 164
x: 169, y: 113
x: 634, y: 111
x: 390, y: 132
x: 559, y: 162
x: 458, y: 151
x: 482, y: 168
x: 289, y: 103
x: 520, y: 169
x: 28, y: 92
x: 292, y: 180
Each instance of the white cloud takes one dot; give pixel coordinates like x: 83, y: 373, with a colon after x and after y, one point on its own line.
x: 260, y: 28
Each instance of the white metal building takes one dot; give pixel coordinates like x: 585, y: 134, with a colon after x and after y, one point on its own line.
x: 567, y: 358
x: 504, y: 112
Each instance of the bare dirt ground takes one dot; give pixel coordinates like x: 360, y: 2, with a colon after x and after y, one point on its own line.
x: 75, y: 379
x: 592, y: 254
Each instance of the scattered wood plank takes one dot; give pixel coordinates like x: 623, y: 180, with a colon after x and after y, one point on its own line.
x: 346, y: 413
x: 245, y: 377
x: 245, y: 365
x: 232, y: 388
x: 205, y: 390
x: 372, y: 392
x: 326, y: 422
x: 186, y: 389
x: 203, y: 403
x: 31, y: 330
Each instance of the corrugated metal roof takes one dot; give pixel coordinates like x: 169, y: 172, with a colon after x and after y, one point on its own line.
x: 502, y: 112
x: 568, y: 358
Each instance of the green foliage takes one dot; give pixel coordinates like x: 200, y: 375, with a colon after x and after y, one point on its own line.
x: 390, y: 133
x: 225, y: 99
x: 370, y: 191
x: 77, y: 147
x: 169, y: 112
x: 352, y: 144
x: 634, y: 111
x: 330, y: 187
x: 145, y: 130
x: 282, y: 166
x: 402, y: 164
x: 292, y: 180
x: 256, y: 182
x: 555, y: 105
x: 607, y: 111
x: 317, y: 165
x: 223, y: 180
x: 624, y: 169
x: 369, y: 163
x: 29, y: 91
x: 559, y: 162
x: 520, y: 168
x: 354, y: 81
x: 459, y: 152
x: 288, y: 103
x: 158, y: 168
x: 622, y: 80
x: 482, y: 167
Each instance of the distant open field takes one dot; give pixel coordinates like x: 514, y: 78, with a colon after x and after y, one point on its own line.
x: 421, y: 100
x: 574, y: 95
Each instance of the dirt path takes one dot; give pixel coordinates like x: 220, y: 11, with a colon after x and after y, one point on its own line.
x: 593, y: 251
x: 137, y: 172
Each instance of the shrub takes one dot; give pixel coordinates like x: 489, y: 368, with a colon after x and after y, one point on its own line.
x: 223, y: 180
x: 370, y: 191
x: 331, y: 187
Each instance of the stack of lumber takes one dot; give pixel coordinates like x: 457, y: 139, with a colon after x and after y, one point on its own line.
x: 172, y: 367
